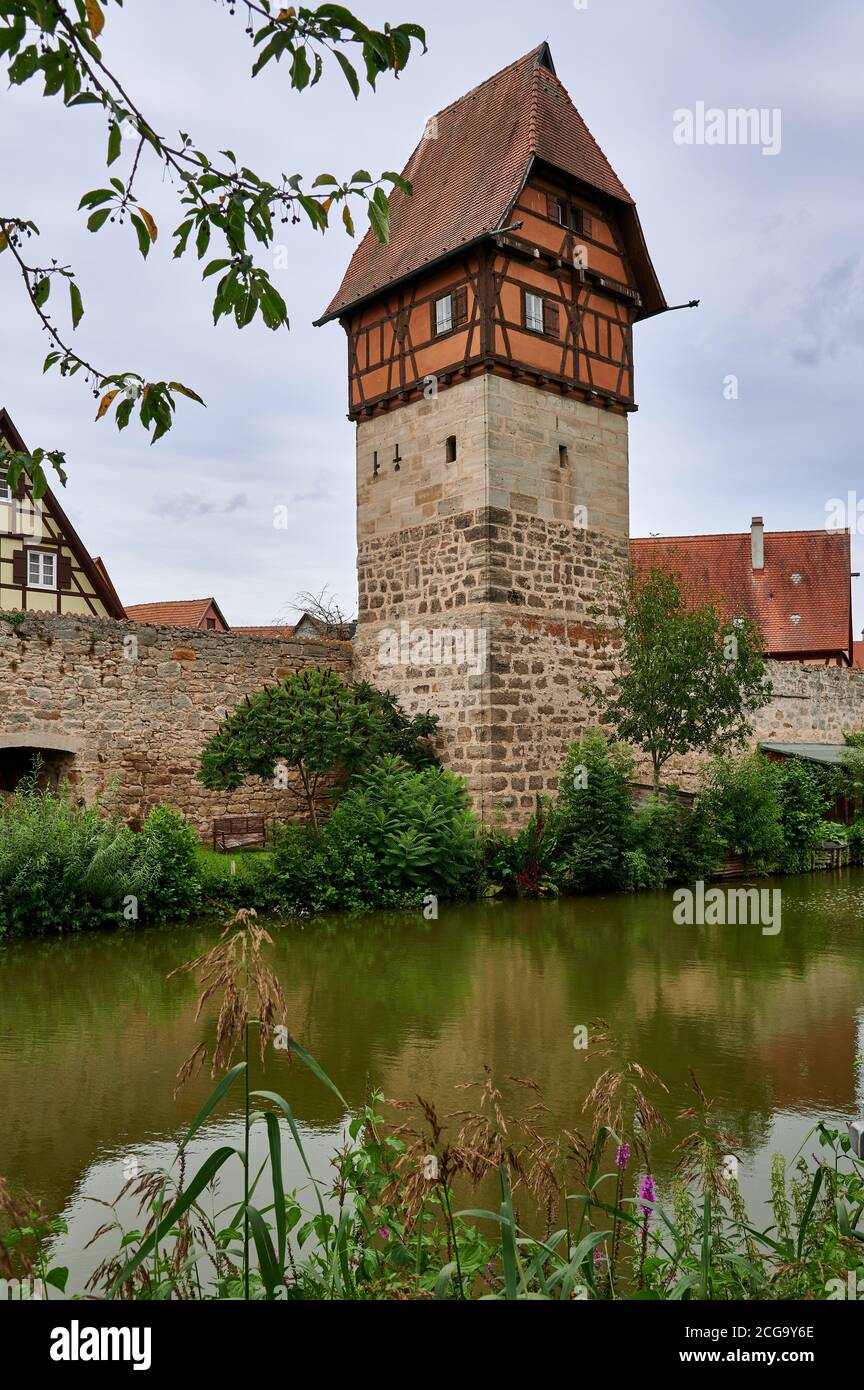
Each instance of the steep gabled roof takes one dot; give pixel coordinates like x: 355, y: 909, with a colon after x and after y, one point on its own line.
x: 807, y: 575
x: 174, y: 612
x: 95, y: 570
x: 467, y: 178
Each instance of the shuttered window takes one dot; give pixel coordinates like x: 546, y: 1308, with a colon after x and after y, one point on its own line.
x: 444, y: 314
x: 41, y: 570
x: 533, y: 312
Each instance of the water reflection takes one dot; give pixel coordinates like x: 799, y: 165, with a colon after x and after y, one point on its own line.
x: 92, y: 1033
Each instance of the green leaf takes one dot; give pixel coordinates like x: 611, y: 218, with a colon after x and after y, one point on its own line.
x: 41, y: 291
x: 115, y: 142
x: 274, y: 1136
x: 57, y: 1277
x: 213, y: 1100
x: 76, y: 304
x: 349, y: 71
x: 270, y: 1272
x: 142, y: 234
x: 97, y: 219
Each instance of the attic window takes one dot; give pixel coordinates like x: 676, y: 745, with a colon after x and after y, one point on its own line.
x: 41, y: 570
x: 211, y: 624
x: 450, y: 448
x: 796, y: 618
x: 5, y: 489
x: 796, y: 578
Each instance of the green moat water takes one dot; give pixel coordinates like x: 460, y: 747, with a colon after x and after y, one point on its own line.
x: 92, y: 1032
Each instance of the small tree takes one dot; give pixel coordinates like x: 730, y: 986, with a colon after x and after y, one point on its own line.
x: 317, y: 726
x: 687, y: 680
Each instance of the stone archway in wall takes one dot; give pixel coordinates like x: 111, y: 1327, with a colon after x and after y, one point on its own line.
x: 22, y: 754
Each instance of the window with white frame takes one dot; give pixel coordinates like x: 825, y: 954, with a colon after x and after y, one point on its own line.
x: 5, y: 489
x: 444, y: 314
x: 41, y: 570
x: 533, y: 312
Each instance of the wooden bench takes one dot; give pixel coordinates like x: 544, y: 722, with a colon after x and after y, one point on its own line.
x: 236, y: 832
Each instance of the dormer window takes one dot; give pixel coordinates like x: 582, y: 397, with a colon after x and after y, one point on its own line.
x: 41, y: 569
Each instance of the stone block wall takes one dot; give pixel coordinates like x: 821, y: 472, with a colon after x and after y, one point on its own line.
x: 503, y: 557
x: 129, y: 707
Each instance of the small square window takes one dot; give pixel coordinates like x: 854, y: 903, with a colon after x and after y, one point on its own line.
x: 444, y: 314
x: 41, y: 570
x: 533, y: 312
x: 211, y: 624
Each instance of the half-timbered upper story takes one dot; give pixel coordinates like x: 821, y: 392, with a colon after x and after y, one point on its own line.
x: 43, y: 565
x: 518, y: 252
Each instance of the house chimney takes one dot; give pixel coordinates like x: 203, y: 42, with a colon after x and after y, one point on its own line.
x: 757, y: 543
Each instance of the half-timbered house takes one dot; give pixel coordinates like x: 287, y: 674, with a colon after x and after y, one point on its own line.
x: 44, y: 566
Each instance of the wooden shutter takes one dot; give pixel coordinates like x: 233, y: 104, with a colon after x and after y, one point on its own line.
x: 552, y: 206
x: 460, y: 305
x: 550, y: 319
x: 587, y: 224
x: 20, y: 486
x: 64, y: 572
x: 19, y: 567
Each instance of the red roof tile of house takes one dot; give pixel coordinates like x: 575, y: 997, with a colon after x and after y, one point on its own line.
x: 467, y: 178
x: 858, y: 655
x: 174, y: 613
x: 801, y: 600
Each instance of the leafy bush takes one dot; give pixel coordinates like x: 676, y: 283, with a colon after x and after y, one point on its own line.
x: 397, y: 835
x: 61, y: 864
x: 165, y: 876
x: 523, y: 863
x: 249, y: 885
x: 65, y: 866
x: 592, y: 821
x: 742, y: 797
x: 320, y: 729
x: 803, y: 801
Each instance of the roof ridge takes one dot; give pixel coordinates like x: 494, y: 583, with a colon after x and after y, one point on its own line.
x: 738, y: 535
x: 466, y: 96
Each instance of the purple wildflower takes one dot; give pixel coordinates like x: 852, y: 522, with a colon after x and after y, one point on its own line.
x: 598, y: 1257
x: 383, y: 1233
x: 622, y: 1158
x: 647, y: 1194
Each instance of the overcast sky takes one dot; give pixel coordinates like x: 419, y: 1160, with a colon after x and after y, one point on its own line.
x: 772, y: 245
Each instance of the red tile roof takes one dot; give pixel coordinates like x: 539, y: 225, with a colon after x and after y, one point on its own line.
x: 174, y: 613
x: 467, y: 178
x: 807, y: 576
x: 858, y: 655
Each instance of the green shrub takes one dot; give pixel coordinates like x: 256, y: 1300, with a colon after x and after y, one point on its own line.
x: 62, y: 865
x: 397, y: 835
x: 591, y: 825
x: 803, y: 801
x: 65, y: 866
x: 165, y: 877
x: 523, y: 863
x: 741, y: 795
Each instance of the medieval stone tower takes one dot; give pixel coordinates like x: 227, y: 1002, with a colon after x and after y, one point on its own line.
x: 490, y: 376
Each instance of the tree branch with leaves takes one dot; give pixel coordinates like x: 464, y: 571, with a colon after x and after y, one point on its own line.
x: 221, y: 198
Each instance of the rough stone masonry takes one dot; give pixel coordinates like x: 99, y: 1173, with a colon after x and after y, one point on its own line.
x: 125, y: 709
